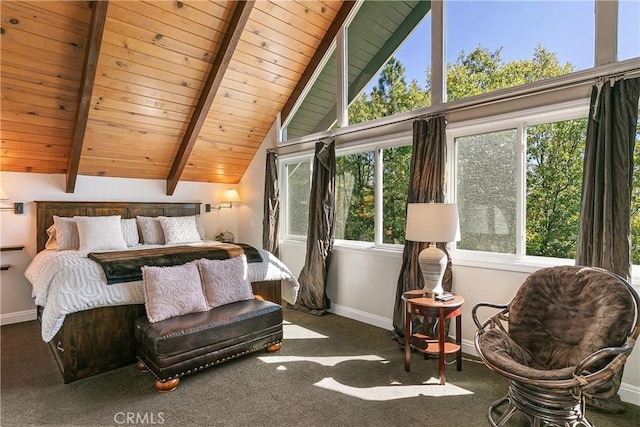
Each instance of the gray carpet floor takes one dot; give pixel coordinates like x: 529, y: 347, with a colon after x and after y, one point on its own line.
x: 331, y: 371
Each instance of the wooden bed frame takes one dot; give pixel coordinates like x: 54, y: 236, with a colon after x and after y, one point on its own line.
x: 101, y: 339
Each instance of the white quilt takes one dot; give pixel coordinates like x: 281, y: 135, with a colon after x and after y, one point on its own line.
x: 65, y: 282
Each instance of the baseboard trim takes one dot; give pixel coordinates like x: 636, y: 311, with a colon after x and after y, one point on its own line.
x: 362, y: 316
x: 18, y: 317
x: 628, y: 393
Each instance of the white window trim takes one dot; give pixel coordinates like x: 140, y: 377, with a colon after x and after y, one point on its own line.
x: 505, y: 262
x: 284, y: 200
x: 519, y: 121
x: 374, y: 144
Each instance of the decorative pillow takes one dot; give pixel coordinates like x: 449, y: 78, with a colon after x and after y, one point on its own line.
x: 66, y: 233
x: 151, y: 230
x: 172, y: 291
x: 130, y: 231
x: 199, y: 226
x: 225, y: 281
x: 52, y: 243
x: 179, y: 229
x: 100, y: 233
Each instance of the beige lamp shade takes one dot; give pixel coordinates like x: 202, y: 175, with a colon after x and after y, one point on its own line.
x: 3, y: 195
x: 230, y: 196
x: 432, y: 222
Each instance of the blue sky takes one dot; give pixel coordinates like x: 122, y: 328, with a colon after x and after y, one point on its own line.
x: 563, y: 27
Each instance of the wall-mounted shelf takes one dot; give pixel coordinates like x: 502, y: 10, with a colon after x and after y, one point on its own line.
x: 11, y: 248
x: 4, y: 267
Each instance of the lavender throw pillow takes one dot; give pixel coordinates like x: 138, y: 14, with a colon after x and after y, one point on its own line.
x: 225, y: 281
x: 172, y: 291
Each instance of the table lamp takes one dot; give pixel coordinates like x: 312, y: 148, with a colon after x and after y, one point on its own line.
x: 432, y: 223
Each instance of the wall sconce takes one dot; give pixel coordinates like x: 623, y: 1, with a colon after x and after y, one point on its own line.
x: 18, y: 208
x: 228, y: 198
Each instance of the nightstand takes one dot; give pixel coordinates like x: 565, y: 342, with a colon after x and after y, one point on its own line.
x: 417, y: 303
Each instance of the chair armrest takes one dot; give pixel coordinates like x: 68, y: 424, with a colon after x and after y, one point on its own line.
x: 622, y: 352
x: 503, y: 307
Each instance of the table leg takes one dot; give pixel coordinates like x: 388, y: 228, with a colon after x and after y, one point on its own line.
x: 407, y: 336
x: 441, y: 327
x: 459, y: 342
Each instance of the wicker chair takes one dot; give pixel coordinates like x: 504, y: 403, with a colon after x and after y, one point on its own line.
x: 567, y: 332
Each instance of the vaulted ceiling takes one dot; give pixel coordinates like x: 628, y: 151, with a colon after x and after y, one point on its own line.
x: 174, y: 90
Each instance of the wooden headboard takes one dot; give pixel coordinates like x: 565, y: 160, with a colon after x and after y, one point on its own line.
x: 46, y: 210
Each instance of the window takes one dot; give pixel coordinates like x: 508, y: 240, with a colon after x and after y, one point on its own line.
x: 388, y: 59
x: 517, y: 179
x: 486, y: 187
x: 481, y: 61
x: 396, y: 164
x: 370, y: 179
x: 317, y: 112
x: 355, y: 197
x: 555, y: 154
x: 297, y: 184
x: 491, y: 190
x: 371, y: 44
x: 628, y: 24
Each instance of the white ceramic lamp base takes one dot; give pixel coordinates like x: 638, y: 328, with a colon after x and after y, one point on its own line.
x: 433, y: 262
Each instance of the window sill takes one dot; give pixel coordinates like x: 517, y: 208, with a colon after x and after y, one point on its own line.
x: 512, y: 264
x: 491, y: 262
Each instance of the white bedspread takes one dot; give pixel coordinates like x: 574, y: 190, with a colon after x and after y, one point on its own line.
x: 65, y: 282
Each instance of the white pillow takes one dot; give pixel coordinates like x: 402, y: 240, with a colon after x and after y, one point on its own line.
x: 100, y: 233
x: 66, y: 233
x: 199, y: 226
x: 130, y: 231
x: 225, y: 281
x: 179, y: 229
x: 172, y: 291
x: 151, y: 230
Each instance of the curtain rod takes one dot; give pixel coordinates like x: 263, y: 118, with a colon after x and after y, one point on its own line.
x: 624, y: 69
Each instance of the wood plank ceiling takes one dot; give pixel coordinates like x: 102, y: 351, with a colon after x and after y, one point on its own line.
x: 180, y: 90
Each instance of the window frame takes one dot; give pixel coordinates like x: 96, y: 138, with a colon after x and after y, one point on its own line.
x: 519, y: 121
x: 575, y: 85
x: 284, y: 186
x: 375, y: 144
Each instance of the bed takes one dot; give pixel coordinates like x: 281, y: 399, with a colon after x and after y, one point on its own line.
x: 88, y: 323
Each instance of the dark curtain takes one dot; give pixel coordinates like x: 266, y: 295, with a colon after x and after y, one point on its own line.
x: 271, y: 216
x: 604, y: 238
x: 426, y: 184
x: 312, y: 296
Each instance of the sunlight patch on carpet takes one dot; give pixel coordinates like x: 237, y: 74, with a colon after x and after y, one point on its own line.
x: 295, y: 332
x: 324, y: 361
x: 431, y: 388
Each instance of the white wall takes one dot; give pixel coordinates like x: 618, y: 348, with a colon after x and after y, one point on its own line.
x: 16, y: 303
x: 251, y: 190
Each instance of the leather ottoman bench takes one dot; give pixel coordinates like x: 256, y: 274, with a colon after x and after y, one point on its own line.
x: 188, y: 343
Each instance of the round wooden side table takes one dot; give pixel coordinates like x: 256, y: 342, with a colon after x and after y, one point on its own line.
x: 416, y: 303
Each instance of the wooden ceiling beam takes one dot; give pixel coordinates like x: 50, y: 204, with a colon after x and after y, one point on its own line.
x: 92, y: 51
x: 324, y: 45
x: 218, y: 69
